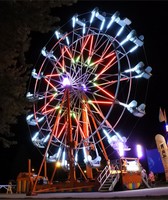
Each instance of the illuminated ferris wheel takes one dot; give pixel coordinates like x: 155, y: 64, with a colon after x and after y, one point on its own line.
x: 82, y: 87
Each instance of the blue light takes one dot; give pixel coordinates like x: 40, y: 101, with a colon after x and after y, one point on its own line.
x: 133, y: 49
x: 102, y: 24
x: 120, y: 31
x: 35, y: 136
x: 113, y: 17
x: 92, y: 15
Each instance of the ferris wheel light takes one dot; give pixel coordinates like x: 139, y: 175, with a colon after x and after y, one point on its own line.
x: 58, y: 153
x: 58, y: 164
x: 75, y: 21
x: 133, y: 49
x: 121, y: 149
x: 113, y: 17
x: 35, y: 75
x: 46, y: 138
x: 35, y: 136
x: 76, y: 158
x: 102, y: 25
x: 93, y: 13
x: 60, y: 35
x: 129, y: 37
x: 101, y: 18
x: 48, y: 54
x: 63, y: 159
x: 119, y: 136
x: 120, y: 31
x: 57, y: 34
x: 29, y: 117
x: 139, y: 151
x: 107, y: 135
x: 84, y: 87
x: 85, y: 155
x: 67, y: 40
x: 66, y: 82
x: 40, y: 119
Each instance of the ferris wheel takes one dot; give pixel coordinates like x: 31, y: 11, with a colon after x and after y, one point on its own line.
x: 82, y: 86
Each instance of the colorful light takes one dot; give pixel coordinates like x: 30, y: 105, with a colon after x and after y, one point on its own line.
x: 139, y: 151
x: 66, y: 81
x: 121, y: 149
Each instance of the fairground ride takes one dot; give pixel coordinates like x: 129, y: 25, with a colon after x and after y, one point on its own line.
x: 83, y: 84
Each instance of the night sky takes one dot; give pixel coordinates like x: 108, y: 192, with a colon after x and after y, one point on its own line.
x: 149, y: 18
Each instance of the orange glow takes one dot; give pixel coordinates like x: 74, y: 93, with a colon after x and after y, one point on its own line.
x: 52, y: 75
x: 91, y: 45
x: 55, y: 128
x: 44, y: 107
x: 63, y: 128
x: 100, y: 88
x: 69, y: 53
x: 102, y: 102
x: 106, y: 67
x: 85, y: 43
x: 48, y: 111
x: 63, y: 62
x: 102, y: 57
x: 98, y: 134
x: 50, y: 84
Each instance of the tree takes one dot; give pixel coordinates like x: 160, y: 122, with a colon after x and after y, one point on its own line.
x: 18, y: 19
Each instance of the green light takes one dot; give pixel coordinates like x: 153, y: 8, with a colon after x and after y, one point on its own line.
x: 77, y: 59
x: 95, y: 84
x: 73, y: 61
x: 57, y: 107
x: 73, y: 115
x: 89, y: 101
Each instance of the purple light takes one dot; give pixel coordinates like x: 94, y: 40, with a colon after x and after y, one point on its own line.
x: 84, y: 87
x: 121, y: 148
x: 139, y: 151
x: 66, y: 81
x: 166, y: 127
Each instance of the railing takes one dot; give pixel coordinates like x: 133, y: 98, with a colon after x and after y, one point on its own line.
x: 104, y: 175
x: 8, y: 188
x: 108, y: 173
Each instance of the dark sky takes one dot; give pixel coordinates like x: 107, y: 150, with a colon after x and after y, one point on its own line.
x: 149, y: 18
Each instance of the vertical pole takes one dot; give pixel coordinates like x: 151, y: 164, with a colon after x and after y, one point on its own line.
x: 89, y: 171
x: 29, y: 167
x: 70, y: 141
x: 45, y: 169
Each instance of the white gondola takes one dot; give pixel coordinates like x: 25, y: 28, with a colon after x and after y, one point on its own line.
x: 33, y: 98
x: 37, y: 76
x: 32, y: 121
x: 39, y: 143
x: 48, y: 54
x: 136, y: 111
x: 94, y: 162
x: 145, y: 73
x: 141, y: 71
